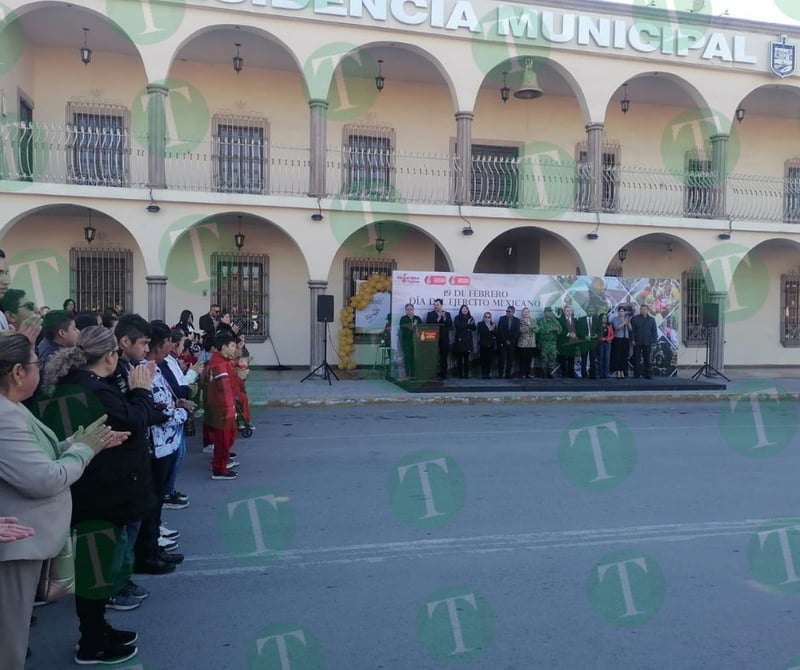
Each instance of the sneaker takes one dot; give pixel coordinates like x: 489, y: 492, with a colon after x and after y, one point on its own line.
x: 223, y: 475
x: 233, y: 464
x: 136, y: 591
x: 116, y: 636
x: 169, y: 534
x: 172, y: 501
x: 231, y: 454
x: 109, y: 654
x: 208, y: 449
x: 166, y: 544
x: 181, y: 496
x: 123, y: 601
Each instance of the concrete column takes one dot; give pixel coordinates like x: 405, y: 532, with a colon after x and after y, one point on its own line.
x: 463, y: 158
x: 719, y: 161
x: 316, y: 287
x: 716, y: 336
x: 594, y: 165
x: 156, y: 297
x: 318, y: 140
x: 156, y: 135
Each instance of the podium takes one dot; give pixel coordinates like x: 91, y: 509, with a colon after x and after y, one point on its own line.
x: 426, y: 351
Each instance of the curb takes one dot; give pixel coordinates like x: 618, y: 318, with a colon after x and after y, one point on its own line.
x: 516, y: 398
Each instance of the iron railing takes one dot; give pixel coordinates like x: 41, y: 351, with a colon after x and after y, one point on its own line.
x: 537, y: 187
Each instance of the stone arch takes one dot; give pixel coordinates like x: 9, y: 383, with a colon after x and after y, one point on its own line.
x: 524, y: 241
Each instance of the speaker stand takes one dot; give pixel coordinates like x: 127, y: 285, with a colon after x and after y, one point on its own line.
x: 706, y: 369
x: 323, y: 370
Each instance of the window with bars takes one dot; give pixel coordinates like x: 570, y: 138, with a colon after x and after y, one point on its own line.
x: 97, y: 144
x: 369, y: 163
x: 791, y: 190
x: 790, y: 310
x: 240, y: 286
x: 240, y: 148
x: 357, y: 271
x: 609, y: 176
x: 495, y: 176
x: 101, y: 278
x: 700, y: 188
x: 694, y: 295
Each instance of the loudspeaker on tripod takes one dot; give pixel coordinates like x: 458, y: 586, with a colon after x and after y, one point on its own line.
x: 710, y: 314
x: 324, y: 308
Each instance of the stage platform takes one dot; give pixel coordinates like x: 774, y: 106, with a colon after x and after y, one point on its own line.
x: 561, y: 385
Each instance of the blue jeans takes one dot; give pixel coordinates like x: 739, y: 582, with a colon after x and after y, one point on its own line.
x: 605, y: 359
x: 173, y: 473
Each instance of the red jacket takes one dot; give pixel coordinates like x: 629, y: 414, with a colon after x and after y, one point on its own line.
x: 220, y: 384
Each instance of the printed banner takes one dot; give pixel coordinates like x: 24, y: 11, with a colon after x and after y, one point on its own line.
x: 494, y: 292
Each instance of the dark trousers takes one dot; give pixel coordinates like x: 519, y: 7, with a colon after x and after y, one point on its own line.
x: 444, y: 353
x: 505, y: 359
x: 462, y: 363
x: 146, y: 547
x: 407, y: 347
x: 525, y: 360
x: 567, y: 364
x: 594, y: 362
x: 487, y: 355
x: 641, y: 360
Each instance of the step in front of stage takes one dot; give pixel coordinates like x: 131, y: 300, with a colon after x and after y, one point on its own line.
x: 560, y: 385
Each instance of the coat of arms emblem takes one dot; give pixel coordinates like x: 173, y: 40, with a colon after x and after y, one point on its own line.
x: 782, y: 57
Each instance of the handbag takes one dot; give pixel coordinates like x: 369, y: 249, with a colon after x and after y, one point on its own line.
x: 58, y: 575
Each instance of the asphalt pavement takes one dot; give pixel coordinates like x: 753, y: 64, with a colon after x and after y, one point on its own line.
x: 383, y: 536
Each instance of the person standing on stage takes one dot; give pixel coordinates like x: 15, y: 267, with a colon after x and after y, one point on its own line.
x: 439, y: 317
x: 644, y: 334
x: 507, y: 336
x: 408, y: 330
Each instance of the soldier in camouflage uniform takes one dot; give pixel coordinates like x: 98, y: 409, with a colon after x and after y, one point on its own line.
x: 549, y: 330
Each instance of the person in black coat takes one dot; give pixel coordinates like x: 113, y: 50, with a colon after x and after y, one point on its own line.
x: 209, y: 322
x: 115, y: 492
x: 487, y: 343
x: 442, y: 319
x: 463, y: 345
x: 644, y: 334
x: 507, y: 336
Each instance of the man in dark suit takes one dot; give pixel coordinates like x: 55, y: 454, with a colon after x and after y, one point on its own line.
x: 442, y: 319
x: 574, y: 333
x: 507, y: 336
x: 209, y: 322
x: 644, y: 334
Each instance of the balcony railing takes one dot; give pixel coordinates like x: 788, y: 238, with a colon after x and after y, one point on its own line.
x: 535, y: 188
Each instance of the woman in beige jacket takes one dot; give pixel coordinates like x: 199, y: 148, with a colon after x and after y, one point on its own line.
x: 36, y: 471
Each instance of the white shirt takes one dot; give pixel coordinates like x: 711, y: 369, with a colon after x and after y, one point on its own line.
x: 4, y: 322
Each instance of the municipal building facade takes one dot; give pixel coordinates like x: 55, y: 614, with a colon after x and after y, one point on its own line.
x: 259, y: 153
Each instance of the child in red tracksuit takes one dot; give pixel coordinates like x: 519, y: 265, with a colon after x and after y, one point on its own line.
x: 220, y: 384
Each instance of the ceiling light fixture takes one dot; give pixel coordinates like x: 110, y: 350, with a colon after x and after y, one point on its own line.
x: 86, y: 52
x: 380, y: 243
x: 505, y: 91
x: 153, y: 207
x: 622, y: 254
x: 740, y: 113
x: 238, y: 61
x: 625, y: 103
x: 380, y: 80
x: 238, y: 239
x: 89, y: 231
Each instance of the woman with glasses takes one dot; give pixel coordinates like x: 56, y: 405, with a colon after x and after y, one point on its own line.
x: 487, y: 343
x: 36, y: 471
